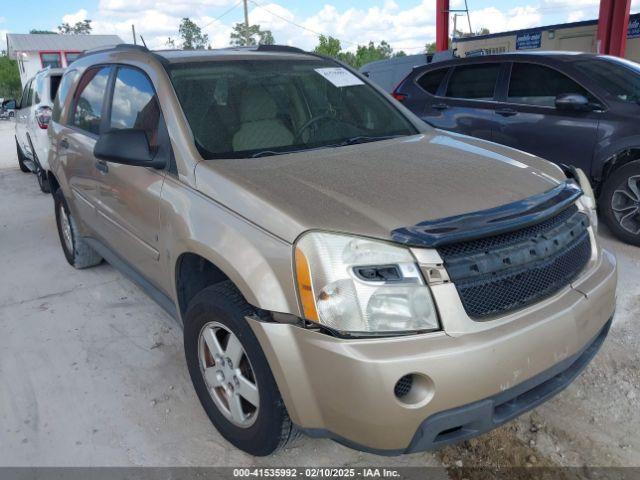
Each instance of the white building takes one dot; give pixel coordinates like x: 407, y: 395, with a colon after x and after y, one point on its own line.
x: 37, y: 51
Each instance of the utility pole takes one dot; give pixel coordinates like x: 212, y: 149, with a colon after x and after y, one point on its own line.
x: 133, y: 31
x: 455, y: 25
x: 466, y: 7
x: 246, y: 23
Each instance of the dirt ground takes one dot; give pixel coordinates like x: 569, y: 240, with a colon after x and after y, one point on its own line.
x: 92, y: 372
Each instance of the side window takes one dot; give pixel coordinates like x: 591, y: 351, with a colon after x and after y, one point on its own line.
x: 532, y: 84
x: 31, y: 93
x: 63, y: 90
x: 38, y: 90
x: 431, y: 81
x: 476, y: 82
x: 89, y: 99
x: 135, y: 103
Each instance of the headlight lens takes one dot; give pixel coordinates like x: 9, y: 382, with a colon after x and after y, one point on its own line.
x: 588, y: 200
x: 361, y: 286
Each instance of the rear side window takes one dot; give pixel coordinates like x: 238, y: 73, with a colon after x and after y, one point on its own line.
x: 135, y: 103
x: 89, y: 100
x: 539, y: 85
x: 476, y: 82
x: 431, y: 81
x: 63, y: 88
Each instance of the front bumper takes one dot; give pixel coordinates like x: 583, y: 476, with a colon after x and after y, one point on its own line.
x: 473, y: 379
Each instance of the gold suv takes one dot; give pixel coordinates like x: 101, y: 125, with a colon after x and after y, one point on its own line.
x: 340, y: 267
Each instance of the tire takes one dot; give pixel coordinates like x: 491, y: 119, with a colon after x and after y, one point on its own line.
x: 619, y: 203
x: 43, y: 181
x: 23, y: 167
x: 76, y: 250
x: 12, y: 114
x: 223, y: 305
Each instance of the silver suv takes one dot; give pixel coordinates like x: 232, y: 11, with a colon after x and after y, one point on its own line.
x: 340, y: 268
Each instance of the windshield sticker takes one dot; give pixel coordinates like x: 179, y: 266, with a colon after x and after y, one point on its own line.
x: 339, y: 77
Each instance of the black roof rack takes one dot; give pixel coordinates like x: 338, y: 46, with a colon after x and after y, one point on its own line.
x: 279, y: 48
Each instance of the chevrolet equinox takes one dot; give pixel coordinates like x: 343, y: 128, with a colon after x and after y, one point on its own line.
x: 339, y: 267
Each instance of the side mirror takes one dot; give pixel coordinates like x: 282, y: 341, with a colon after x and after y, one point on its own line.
x: 573, y: 102
x: 128, y: 146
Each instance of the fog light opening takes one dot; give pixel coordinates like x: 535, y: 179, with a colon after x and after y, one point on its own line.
x: 414, y: 390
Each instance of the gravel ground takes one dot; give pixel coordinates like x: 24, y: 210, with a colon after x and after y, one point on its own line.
x: 92, y: 372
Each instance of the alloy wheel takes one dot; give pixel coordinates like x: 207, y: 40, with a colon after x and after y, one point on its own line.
x: 228, y: 374
x: 65, y: 227
x: 625, y: 203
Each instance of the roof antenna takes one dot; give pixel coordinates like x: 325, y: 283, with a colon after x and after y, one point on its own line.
x: 143, y: 42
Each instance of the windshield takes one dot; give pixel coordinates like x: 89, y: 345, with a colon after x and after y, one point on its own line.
x: 617, y: 77
x: 248, y: 108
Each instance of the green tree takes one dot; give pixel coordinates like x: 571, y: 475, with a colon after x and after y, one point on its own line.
x: 80, y: 28
x: 430, y: 47
x: 36, y: 31
x: 10, y: 86
x: 241, y: 36
x: 328, y: 46
x: 192, y: 36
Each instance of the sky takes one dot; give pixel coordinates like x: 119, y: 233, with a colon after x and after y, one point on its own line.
x: 406, y: 24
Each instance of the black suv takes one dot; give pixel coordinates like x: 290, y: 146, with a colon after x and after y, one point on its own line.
x: 574, y: 109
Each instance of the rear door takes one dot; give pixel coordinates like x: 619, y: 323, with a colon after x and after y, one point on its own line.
x: 78, y: 137
x: 528, y: 119
x: 129, y: 196
x: 466, y: 100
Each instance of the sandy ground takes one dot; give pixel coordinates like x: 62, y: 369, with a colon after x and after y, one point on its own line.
x: 92, y: 371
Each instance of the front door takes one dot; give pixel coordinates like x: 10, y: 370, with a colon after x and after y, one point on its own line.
x: 129, y: 196
x: 77, y: 139
x: 21, y: 117
x: 529, y: 120
x: 466, y: 104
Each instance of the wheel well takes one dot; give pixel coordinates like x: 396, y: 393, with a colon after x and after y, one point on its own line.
x: 53, y: 182
x: 617, y: 161
x: 194, y: 273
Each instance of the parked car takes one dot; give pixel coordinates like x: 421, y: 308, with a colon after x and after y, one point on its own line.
x: 575, y: 109
x: 339, y: 267
x: 32, y: 121
x: 8, y: 108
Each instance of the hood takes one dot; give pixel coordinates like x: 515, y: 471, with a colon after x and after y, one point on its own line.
x: 374, y: 188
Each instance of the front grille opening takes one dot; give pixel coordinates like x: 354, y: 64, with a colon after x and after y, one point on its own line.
x: 403, y: 386
x: 502, y: 273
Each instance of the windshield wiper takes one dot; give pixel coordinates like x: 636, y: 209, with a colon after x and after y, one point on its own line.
x: 366, y: 139
x: 348, y: 141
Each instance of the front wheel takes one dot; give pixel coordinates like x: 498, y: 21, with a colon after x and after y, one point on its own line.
x: 620, y: 203
x: 230, y: 372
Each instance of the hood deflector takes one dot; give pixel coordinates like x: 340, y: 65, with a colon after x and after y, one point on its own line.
x: 494, y: 221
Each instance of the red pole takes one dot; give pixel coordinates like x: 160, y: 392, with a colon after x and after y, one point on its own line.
x: 619, y: 27
x: 604, y: 26
x: 612, y: 26
x: 442, y: 25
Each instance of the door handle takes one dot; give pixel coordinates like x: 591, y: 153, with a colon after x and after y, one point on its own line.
x: 64, y: 143
x: 102, y: 166
x: 506, y: 112
x: 439, y: 106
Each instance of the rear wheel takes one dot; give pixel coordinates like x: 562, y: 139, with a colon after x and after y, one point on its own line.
x: 21, y: 158
x: 230, y: 372
x: 43, y: 181
x: 76, y: 250
x: 620, y: 203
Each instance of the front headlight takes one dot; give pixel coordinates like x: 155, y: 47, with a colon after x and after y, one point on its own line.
x: 588, y: 200
x: 361, y: 286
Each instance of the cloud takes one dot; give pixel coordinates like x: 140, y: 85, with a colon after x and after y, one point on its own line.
x: 73, y: 18
x: 405, y: 29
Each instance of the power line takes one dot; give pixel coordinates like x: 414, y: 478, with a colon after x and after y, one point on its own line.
x: 225, y: 13
x: 297, y: 24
